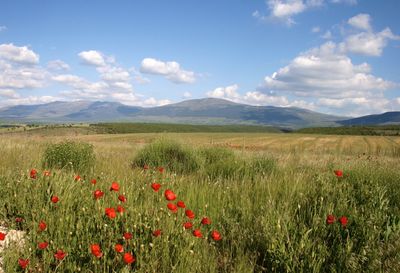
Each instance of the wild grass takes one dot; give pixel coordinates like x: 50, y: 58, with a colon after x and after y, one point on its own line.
x: 274, y: 221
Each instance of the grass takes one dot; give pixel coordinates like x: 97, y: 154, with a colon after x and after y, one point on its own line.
x: 272, y: 222
x: 384, y: 130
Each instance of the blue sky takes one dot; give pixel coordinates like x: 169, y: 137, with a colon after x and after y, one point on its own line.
x: 333, y: 56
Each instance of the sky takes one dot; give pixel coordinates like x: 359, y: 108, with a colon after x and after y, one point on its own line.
x: 338, y: 57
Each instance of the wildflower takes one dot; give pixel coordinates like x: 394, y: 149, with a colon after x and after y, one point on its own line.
x: 330, y: 219
x: 155, y: 186
x: 23, y: 263
x: 42, y: 226
x: 46, y: 173
x: 338, y: 173
x: 33, y: 174
x: 98, y: 194
x: 93, y: 181
x: 120, y: 209
x: 343, y: 221
x: 43, y: 245
x: 145, y: 167
x: 181, y: 204
x: 59, y: 255
x: 188, y: 225
x: 172, y: 207
x: 110, y: 212
x: 161, y: 169
x: 19, y: 219
x: 54, y: 199
x: 78, y: 178
x: 157, y: 233
x: 197, y: 233
x: 169, y: 195
x: 206, y: 221
x: 122, y: 198
x: 129, y: 258
x: 128, y: 235
x: 2, y: 236
x: 189, y: 214
x: 119, y: 248
x: 216, y: 235
x: 96, y: 250
x: 114, y: 186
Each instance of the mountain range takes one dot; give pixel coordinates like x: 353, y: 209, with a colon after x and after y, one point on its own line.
x: 196, y: 111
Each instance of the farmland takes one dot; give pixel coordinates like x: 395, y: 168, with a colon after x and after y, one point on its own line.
x: 271, y: 218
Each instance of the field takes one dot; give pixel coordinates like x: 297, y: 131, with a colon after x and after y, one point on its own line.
x: 271, y: 217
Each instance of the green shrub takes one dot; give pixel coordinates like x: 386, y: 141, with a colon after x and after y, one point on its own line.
x: 76, y: 156
x: 168, y: 154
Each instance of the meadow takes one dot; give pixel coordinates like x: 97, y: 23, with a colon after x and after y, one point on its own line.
x: 259, y: 202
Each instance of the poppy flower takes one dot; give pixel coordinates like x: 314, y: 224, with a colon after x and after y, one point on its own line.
x: 42, y: 226
x: 78, y: 178
x: 128, y: 235
x: 189, y: 214
x: 188, y: 225
x: 59, y: 255
x: 197, y: 233
x: 338, y: 173
x: 110, y: 212
x: 19, y: 219
x: 129, y: 258
x: 96, y: 250
x: 119, y: 248
x: 2, y: 236
x: 172, y: 207
x: 181, y: 204
x: 122, y: 198
x: 114, y: 186
x: 33, y: 174
x: 98, y: 194
x: 120, y: 209
x: 155, y: 186
x: 169, y: 195
x: 206, y: 221
x: 145, y: 167
x: 343, y: 221
x: 161, y: 169
x: 54, y: 199
x: 23, y: 263
x: 216, y: 235
x: 93, y: 181
x: 330, y: 219
x: 43, y: 245
x: 46, y: 173
x: 157, y: 233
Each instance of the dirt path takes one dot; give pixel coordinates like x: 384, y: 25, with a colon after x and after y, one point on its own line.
x: 14, y: 238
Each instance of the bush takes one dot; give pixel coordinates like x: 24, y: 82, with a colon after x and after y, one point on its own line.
x: 168, y: 154
x: 76, y: 156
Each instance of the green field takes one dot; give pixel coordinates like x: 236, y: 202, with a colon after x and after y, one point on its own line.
x: 271, y: 217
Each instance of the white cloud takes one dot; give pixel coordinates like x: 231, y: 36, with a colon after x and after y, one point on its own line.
x: 228, y: 92
x: 349, y: 2
x: 258, y: 98
x: 92, y: 57
x: 18, y: 76
x: 29, y: 100
x: 327, y: 35
x: 9, y: 93
x: 284, y: 10
x: 58, y: 65
x: 171, y: 70
x: 187, y: 95
x: 315, y: 29
x: 361, y: 21
x: 153, y: 102
x: 22, y: 55
x: 3, y: 28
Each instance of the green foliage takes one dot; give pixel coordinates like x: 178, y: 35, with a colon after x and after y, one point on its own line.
x: 77, y: 156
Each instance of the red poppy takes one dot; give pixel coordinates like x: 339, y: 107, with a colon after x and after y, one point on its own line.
x: 98, y: 194
x: 110, y: 212
x: 93, y: 181
x: 172, y: 207
x: 216, y: 235
x: 46, y: 173
x: 169, y: 195
x: 33, y: 174
x: 114, y: 186
x: 54, y: 199
x: 59, y: 255
x: 96, y: 250
x: 119, y: 248
x: 189, y: 214
x: 188, y: 225
x: 330, y: 219
x: 161, y: 169
x: 78, y: 178
x: 43, y: 245
x: 206, y: 221
x: 128, y: 235
x: 181, y: 204
x: 343, y: 221
x: 197, y: 233
x: 2, y: 236
x: 338, y: 173
x: 129, y: 258
x: 42, y: 226
x: 23, y: 263
x: 145, y: 167
x: 122, y: 198
x: 19, y: 220
x: 120, y: 209
x: 155, y: 186
x: 157, y: 233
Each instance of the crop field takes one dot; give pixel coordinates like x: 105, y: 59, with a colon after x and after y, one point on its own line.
x: 198, y: 202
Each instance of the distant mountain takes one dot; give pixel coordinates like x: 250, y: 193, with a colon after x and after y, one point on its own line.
x: 382, y: 119
x: 197, y: 111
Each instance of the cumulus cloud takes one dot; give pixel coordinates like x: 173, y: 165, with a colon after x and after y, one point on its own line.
x: 28, y: 100
x: 171, y: 70
x: 187, y: 95
x: 9, y: 93
x: 327, y: 35
x: 18, y: 54
x: 58, y: 65
x: 315, y: 29
x: 349, y: 2
x: 92, y: 57
x: 228, y: 92
x: 361, y: 21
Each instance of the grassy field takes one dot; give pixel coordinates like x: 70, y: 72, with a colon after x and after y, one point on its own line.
x: 384, y: 130
x: 274, y: 220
